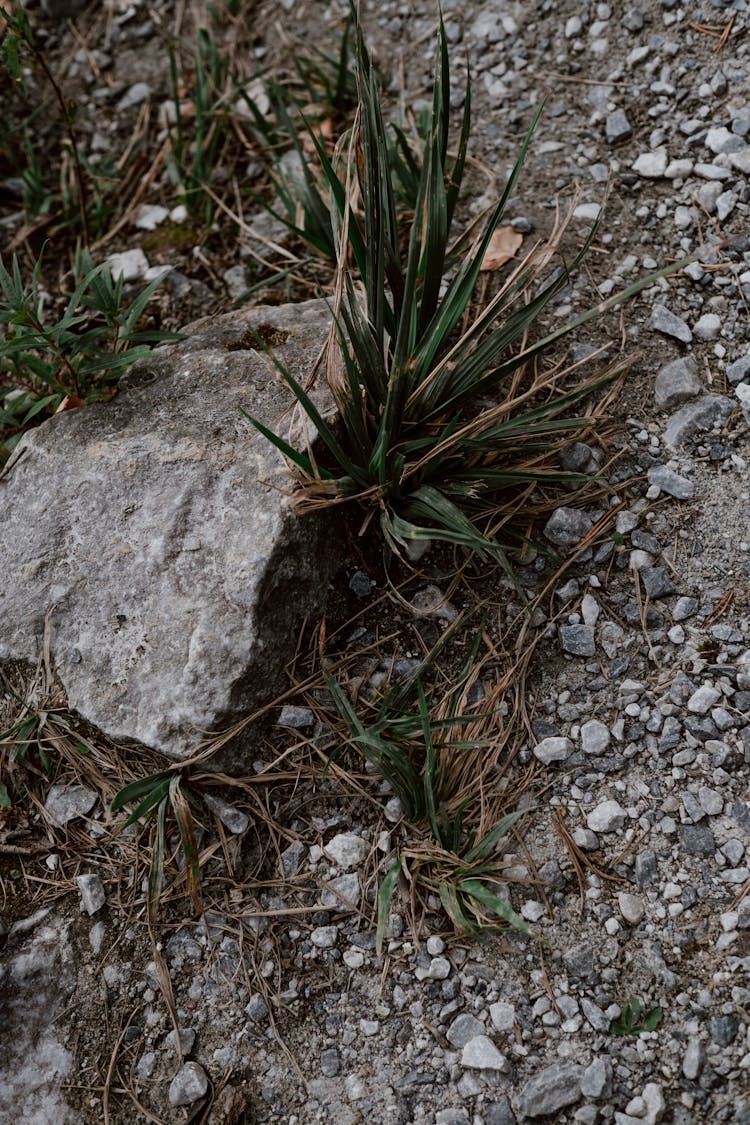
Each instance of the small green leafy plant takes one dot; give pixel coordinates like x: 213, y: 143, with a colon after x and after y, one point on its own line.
x: 633, y: 1019
x: 48, y: 364
x: 155, y: 796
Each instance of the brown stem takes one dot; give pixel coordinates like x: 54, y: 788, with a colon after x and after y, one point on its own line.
x: 39, y: 55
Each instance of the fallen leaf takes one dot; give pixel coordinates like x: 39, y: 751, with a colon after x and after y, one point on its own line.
x: 70, y: 402
x: 503, y: 246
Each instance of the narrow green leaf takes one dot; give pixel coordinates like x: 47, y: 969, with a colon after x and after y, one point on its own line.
x: 385, y: 898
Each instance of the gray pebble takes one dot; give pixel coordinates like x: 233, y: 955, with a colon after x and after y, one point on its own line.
x: 189, y: 1084
x: 67, y: 802
x: 257, y: 1008
x: 92, y: 892
x: 695, y: 417
x: 499, y: 1112
x: 596, y: 1081
x: 724, y: 1030
x: 595, y: 737
x: 656, y: 581
x: 684, y: 608
x: 671, y: 482
x: 330, y: 1062
x: 480, y: 1053
x: 296, y: 718
x: 617, y: 127
x: 553, y: 1088
x: 665, y: 321
x: 692, y: 1063
x: 567, y: 526
x: 739, y: 370
x: 464, y: 1028
x: 551, y: 750
x: 677, y: 382
x: 609, y: 816
x: 578, y: 640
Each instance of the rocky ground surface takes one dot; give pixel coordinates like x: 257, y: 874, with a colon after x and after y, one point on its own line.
x: 640, y: 695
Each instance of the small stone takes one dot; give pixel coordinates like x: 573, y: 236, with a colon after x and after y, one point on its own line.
x: 677, y: 382
x: 553, y: 749
x: 96, y: 936
x: 666, y: 322
x: 595, y: 737
x: 652, y: 165
x: 617, y: 127
x: 324, y: 937
x: 257, y: 1008
x: 711, y: 801
x: 503, y: 1016
x: 499, y: 1112
x: 67, y: 802
x: 609, y: 816
x: 187, y: 1040
x: 645, y: 867
x: 708, y: 326
x: 553, y: 1088
x: 737, y: 371
x: 296, y: 718
x: 353, y: 959
x: 656, y: 581
x: 92, y: 892
x: 480, y: 1053
x: 234, y: 819
x: 150, y: 216
x: 684, y: 608
x: 330, y: 1062
x: 724, y: 1030
x: 631, y: 907
x: 596, y: 1081
x: 438, y: 969
x: 653, y: 1099
x: 189, y: 1084
x: 598, y: 1019
x: 344, y: 893
x: 347, y: 850
x: 578, y: 640
x: 579, y: 961
x: 587, y: 212
x: 567, y: 526
x: 361, y: 584
x: 703, y: 699
x: 146, y: 1064
x: 667, y: 480
x: 135, y: 95
x: 703, y: 414
x: 722, y: 140
x: 464, y: 1028
x: 692, y: 1063
x: 130, y: 265
x: 292, y: 858
x: 740, y: 161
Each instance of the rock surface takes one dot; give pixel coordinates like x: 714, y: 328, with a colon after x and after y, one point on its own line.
x: 166, y: 558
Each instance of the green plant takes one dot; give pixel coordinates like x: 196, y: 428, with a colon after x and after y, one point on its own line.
x: 48, y: 364
x: 420, y: 741
x: 633, y: 1020
x: 25, y: 744
x: 417, y: 446
x: 197, y: 142
x: 155, y: 796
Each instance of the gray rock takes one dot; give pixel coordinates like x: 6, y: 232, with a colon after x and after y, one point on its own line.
x: 665, y: 321
x: 593, y: 1013
x: 708, y: 326
x: 553, y: 1088
x: 135, y: 95
x: 92, y: 892
x: 609, y: 816
x: 656, y: 581
x: 724, y: 1030
x: 296, y: 718
x: 330, y: 1062
x: 234, y: 819
x: 189, y: 1083
x: 37, y: 979
x: 577, y: 639
x: 631, y: 907
x: 645, y: 867
x: 325, y: 937
x: 567, y: 526
x: 464, y: 1028
x: 703, y: 699
x: 671, y: 482
x: 499, y: 1112
x: 677, y: 382
x: 694, y: 1058
x: 722, y: 140
x: 695, y: 417
x: 740, y: 161
x: 344, y: 893
x: 347, y: 850
x: 187, y: 1041
x: 739, y: 370
x: 257, y: 1008
x: 652, y: 165
x: 617, y: 127
x: 67, y: 802
x: 684, y: 608
x: 553, y: 749
x: 595, y: 737
x: 480, y: 1053
x: 596, y: 1081
x: 175, y: 573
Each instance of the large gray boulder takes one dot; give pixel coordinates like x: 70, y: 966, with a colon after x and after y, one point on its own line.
x: 155, y: 537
